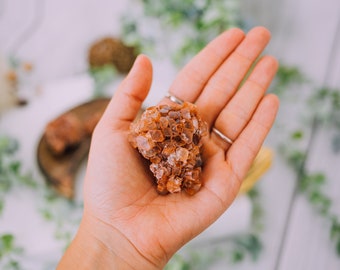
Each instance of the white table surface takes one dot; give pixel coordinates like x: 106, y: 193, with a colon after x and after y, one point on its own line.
x: 304, y: 33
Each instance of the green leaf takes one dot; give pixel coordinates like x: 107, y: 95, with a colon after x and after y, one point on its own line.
x: 5, y: 184
x: 102, y: 77
x: 13, y: 62
x: 290, y: 74
x: 315, y: 197
x: 46, y: 214
x: 297, y: 135
x: 2, y: 204
x: 312, y: 181
x: 285, y: 77
x: 237, y: 256
x: 335, y: 229
x: 253, y: 194
x: 177, y: 262
x: 336, y: 99
x: 325, y: 206
x: 251, y: 243
x: 12, y: 265
x: 318, y: 178
x: 296, y: 159
x: 6, y: 242
x: 323, y: 93
x: 8, y: 145
x: 15, y: 166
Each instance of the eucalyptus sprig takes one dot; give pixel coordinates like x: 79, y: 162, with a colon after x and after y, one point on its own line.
x: 286, y: 77
x: 231, y: 250
x: 326, y: 104
x: 52, y: 207
x: 186, y: 25
x: 102, y: 77
x: 10, y: 169
x: 9, y: 253
x: 322, y: 112
x: 312, y: 186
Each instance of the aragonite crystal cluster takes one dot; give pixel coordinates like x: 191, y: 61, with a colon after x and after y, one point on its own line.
x: 170, y: 138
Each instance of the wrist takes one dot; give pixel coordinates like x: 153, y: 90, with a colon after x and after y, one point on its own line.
x: 99, y: 246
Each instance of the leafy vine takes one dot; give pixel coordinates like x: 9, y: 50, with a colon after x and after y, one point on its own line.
x: 187, y: 25
x: 231, y: 249
x: 322, y: 112
x: 53, y: 209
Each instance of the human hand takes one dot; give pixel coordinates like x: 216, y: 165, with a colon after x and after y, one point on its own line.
x: 126, y: 223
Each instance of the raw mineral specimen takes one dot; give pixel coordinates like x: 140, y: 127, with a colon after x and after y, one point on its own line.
x: 63, y: 132
x: 91, y: 122
x: 112, y: 51
x: 170, y: 138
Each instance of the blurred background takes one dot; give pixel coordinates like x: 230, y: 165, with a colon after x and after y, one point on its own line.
x: 69, y: 56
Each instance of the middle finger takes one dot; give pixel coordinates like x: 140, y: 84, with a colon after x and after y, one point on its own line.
x: 193, y: 77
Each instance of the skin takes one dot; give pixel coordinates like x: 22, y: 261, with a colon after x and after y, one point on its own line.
x: 126, y: 224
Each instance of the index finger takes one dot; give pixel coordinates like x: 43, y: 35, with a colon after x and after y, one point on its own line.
x: 192, y: 78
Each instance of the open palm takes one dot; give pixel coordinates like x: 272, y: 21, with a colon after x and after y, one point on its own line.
x: 119, y: 192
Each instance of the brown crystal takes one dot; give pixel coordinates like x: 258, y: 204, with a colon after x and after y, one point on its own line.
x: 170, y: 138
x: 112, y: 51
x: 91, y: 122
x: 63, y: 132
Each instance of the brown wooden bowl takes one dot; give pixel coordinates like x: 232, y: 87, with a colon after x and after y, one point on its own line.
x: 60, y: 171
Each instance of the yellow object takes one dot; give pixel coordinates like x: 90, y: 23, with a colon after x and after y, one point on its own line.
x: 261, y: 164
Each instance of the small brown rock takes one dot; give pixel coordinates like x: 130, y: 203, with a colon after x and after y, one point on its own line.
x: 63, y: 133
x: 170, y: 137
x: 112, y: 51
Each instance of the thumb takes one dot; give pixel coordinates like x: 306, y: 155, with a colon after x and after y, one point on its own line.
x: 128, y: 98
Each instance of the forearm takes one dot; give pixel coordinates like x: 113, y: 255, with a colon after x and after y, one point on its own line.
x: 88, y: 251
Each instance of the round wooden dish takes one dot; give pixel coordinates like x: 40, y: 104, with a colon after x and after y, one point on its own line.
x: 60, y: 171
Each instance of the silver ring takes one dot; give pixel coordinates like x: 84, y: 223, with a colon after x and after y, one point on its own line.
x: 222, y: 136
x: 174, y: 99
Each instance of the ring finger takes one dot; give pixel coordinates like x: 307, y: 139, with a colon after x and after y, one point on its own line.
x: 237, y: 113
